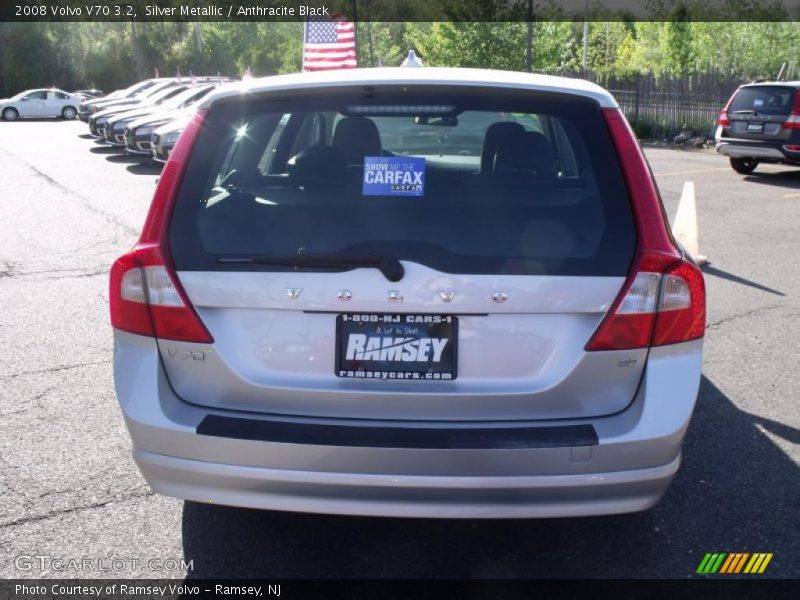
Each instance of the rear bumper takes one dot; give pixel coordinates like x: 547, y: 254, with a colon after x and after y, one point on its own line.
x: 627, y: 467
x: 766, y: 151
x: 407, y: 495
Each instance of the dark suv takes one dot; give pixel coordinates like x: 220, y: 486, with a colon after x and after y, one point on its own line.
x: 760, y: 123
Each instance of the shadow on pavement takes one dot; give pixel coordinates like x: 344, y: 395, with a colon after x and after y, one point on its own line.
x: 709, y: 270
x: 86, y: 136
x: 122, y: 158
x: 39, y: 120
x: 103, y: 149
x: 736, y: 491
x: 145, y: 168
x: 786, y: 179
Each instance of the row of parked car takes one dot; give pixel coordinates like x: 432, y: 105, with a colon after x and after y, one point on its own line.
x: 148, y: 117
x: 144, y: 119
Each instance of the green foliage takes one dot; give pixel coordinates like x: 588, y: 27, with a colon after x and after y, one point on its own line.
x: 676, y: 42
x: 496, y: 45
x: 113, y: 55
x: 383, y: 43
x: 491, y: 45
x: 605, y: 43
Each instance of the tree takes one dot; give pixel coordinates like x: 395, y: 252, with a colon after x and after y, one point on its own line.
x: 111, y: 55
x: 676, y: 41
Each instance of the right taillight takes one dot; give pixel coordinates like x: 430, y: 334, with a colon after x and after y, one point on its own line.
x: 793, y: 121
x: 665, y: 305
x: 663, y: 299
x: 682, y: 305
x: 145, y: 295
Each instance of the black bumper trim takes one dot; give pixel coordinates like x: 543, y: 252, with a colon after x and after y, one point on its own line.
x: 433, y: 438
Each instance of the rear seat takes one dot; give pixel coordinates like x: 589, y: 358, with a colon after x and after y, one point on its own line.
x: 527, y: 153
x: 353, y: 139
x: 496, y: 135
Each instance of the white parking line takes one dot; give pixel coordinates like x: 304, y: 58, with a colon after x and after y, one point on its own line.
x: 692, y: 172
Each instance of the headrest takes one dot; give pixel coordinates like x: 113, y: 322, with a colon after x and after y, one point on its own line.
x: 527, y: 154
x: 355, y: 138
x: 316, y: 161
x: 496, y: 135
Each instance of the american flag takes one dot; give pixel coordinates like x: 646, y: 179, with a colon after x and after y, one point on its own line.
x: 329, y: 45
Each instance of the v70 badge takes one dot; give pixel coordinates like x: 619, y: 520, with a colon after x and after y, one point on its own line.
x: 178, y: 354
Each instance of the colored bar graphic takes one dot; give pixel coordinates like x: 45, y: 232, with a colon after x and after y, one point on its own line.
x: 741, y: 562
x: 758, y: 563
x: 731, y: 563
x: 734, y: 563
x: 703, y: 564
x: 727, y: 564
x: 765, y: 563
x: 711, y: 562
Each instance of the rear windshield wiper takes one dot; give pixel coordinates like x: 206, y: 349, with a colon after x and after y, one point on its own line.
x: 391, y: 268
x: 744, y: 111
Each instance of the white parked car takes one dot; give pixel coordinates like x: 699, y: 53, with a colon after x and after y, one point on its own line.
x: 40, y: 103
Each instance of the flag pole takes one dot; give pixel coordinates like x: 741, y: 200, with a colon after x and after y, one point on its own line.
x: 529, y: 45
x: 585, y: 37
x: 355, y: 28
x: 305, y: 41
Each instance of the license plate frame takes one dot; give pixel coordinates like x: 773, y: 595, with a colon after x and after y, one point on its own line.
x: 755, y: 127
x: 411, y: 330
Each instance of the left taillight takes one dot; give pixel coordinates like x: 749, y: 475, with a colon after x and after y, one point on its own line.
x: 146, y: 298
x: 723, y: 119
x: 145, y: 295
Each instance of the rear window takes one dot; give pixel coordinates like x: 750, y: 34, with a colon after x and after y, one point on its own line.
x: 459, y: 181
x: 763, y: 100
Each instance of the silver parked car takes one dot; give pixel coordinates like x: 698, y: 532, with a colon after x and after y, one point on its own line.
x: 408, y: 292
x: 39, y: 104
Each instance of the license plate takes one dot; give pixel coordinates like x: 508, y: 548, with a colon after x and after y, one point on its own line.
x: 393, y: 346
x: 755, y: 128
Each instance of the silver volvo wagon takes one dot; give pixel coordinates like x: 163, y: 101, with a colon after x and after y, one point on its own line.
x: 408, y: 292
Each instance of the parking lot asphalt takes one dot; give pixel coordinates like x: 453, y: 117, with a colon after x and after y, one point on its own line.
x: 69, y: 488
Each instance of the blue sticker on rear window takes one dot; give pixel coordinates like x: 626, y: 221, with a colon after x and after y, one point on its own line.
x: 394, y: 176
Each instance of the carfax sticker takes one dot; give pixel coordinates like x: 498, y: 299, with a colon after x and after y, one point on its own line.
x: 394, y: 176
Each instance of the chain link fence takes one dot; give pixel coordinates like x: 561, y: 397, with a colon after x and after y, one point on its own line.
x: 661, y: 106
